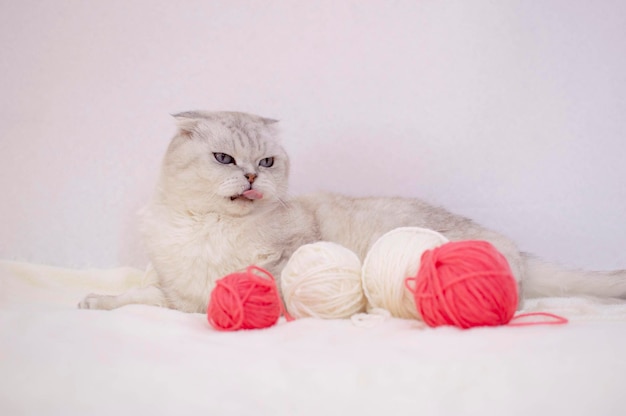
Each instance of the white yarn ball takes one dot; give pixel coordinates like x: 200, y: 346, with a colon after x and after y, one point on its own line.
x: 323, y: 280
x: 394, y: 257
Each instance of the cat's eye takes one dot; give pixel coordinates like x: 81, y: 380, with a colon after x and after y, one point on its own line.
x: 268, y: 162
x: 224, y: 159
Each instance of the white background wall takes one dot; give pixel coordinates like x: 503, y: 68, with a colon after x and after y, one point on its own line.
x: 509, y: 112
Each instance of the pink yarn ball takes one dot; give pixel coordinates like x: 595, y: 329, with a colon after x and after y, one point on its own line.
x: 464, y: 284
x: 245, y: 300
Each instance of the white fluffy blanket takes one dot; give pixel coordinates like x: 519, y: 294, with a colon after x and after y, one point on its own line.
x: 58, y: 360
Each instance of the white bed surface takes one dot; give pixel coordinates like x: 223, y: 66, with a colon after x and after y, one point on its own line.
x: 58, y: 360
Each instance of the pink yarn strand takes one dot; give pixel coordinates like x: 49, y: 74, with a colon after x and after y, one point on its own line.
x: 556, y: 319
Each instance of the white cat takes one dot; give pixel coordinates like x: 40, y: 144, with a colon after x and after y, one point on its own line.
x: 221, y: 205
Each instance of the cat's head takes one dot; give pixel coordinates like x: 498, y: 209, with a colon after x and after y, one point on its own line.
x: 224, y: 162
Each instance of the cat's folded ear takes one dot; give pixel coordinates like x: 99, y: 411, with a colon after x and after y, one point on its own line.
x: 187, y: 120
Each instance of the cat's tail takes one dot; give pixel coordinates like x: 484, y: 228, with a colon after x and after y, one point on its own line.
x: 544, y: 279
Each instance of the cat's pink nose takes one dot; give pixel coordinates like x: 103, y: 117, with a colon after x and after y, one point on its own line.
x: 250, y: 177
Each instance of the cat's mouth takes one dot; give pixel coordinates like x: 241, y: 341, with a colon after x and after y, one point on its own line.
x: 249, y: 195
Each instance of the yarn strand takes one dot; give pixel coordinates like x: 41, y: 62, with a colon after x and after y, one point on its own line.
x: 555, y: 319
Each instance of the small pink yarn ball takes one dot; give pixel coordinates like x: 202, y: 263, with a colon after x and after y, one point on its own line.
x: 245, y: 300
x: 464, y: 284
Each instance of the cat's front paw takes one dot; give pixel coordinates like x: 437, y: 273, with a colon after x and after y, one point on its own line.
x: 95, y: 301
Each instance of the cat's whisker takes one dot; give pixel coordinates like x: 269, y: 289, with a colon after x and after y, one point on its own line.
x: 282, y: 202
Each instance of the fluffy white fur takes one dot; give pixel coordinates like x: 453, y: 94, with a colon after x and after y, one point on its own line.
x: 221, y: 205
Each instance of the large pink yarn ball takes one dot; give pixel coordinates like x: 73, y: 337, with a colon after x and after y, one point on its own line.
x: 464, y: 284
